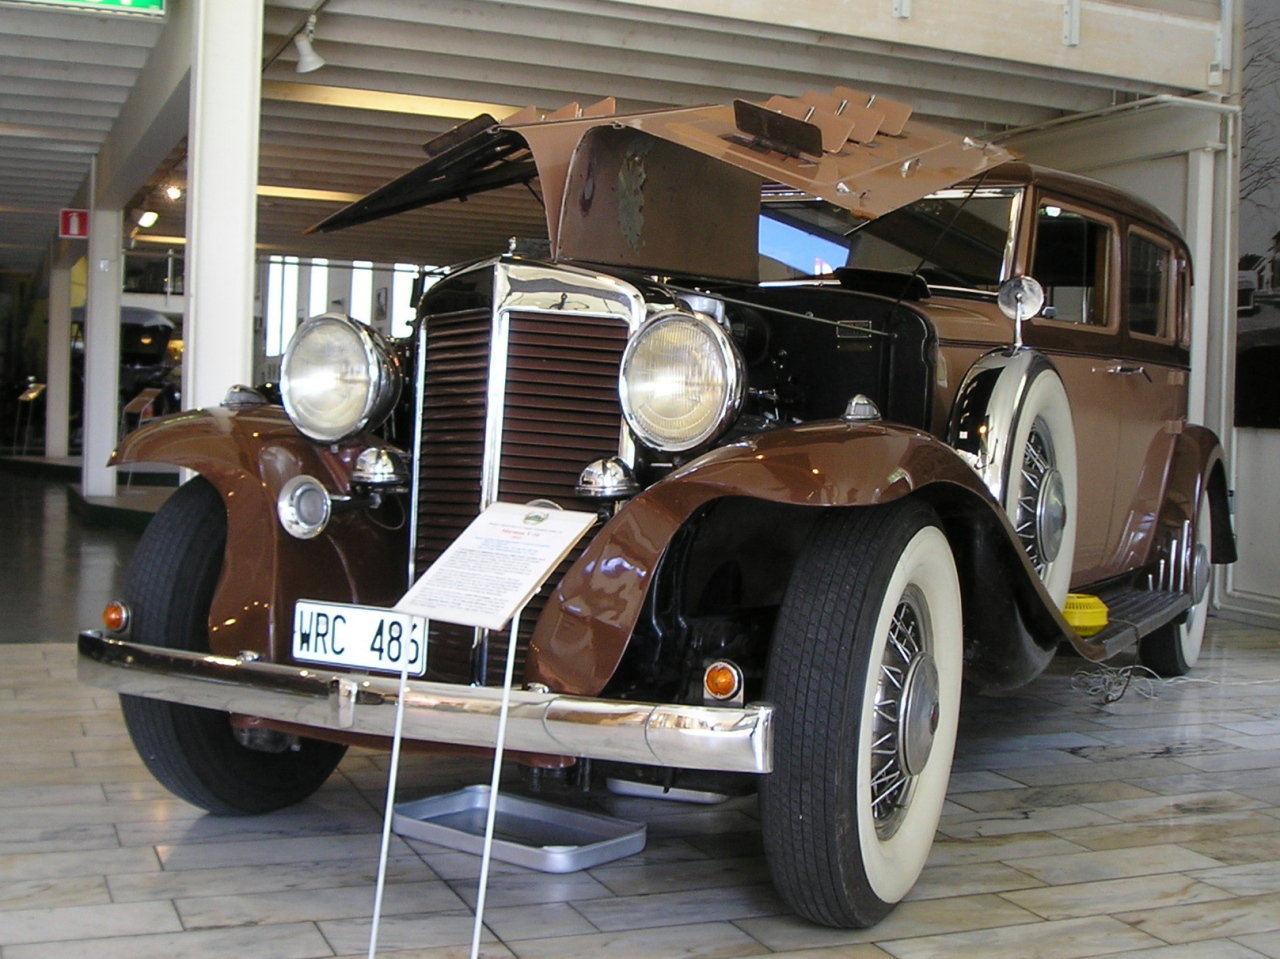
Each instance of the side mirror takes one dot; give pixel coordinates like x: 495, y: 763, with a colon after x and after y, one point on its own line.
x: 1020, y: 298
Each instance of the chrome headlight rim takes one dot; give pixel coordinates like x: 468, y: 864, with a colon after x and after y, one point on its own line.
x: 381, y: 368
x: 733, y: 384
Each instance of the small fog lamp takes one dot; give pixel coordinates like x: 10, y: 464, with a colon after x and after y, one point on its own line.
x: 115, y: 617
x: 722, y: 680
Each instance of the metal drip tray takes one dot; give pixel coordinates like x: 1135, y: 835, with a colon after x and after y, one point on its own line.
x: 527, y: 832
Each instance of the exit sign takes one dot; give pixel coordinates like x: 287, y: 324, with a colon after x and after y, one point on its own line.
x: 150, y: 8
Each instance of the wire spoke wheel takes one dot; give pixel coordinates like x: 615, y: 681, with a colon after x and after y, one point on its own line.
x: 1040, y: 512
x: 1039, y: 489
x: 864, y: 675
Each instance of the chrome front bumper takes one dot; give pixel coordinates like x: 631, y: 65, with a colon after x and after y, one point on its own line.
x: 657, y: 734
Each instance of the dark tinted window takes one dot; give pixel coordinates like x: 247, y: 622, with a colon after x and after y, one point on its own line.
x: 1071, y: 262
x: 1147, y: 300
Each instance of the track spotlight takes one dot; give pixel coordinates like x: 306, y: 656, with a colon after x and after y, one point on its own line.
x: 308, y: 59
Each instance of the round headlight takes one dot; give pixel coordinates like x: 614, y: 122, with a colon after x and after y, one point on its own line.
x: 338, y: 377
x: 681, y: 382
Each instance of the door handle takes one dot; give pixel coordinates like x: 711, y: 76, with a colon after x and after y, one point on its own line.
x: 1126, y: 369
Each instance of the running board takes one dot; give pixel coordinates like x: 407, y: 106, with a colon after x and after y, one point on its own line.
x: 1133, y: 613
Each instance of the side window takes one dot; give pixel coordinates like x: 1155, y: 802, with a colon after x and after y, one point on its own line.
x: 1072, y: 262
x: 1149, y: 287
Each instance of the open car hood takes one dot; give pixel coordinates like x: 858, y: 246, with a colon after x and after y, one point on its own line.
x: 678, y: 190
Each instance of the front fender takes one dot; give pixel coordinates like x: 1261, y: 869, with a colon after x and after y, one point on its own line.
x: 582, y: 633
x: 248, y: 455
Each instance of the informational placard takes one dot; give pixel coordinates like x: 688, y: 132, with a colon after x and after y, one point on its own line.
x: 496, y: 565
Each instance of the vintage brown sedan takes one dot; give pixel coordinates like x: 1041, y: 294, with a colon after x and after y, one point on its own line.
x: 857, y: 403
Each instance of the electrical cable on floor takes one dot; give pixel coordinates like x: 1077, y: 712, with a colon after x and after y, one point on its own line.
x: 1110, y: 683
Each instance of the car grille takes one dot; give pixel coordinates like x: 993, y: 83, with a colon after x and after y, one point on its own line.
x: 560, y: 412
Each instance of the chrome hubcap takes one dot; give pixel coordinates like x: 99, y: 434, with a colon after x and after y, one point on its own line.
x: 1051, y: 514
x: 1199, y: 572
x: 920, y: 713
x: 906, y: 716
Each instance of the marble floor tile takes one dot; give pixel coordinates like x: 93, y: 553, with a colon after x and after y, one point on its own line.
x: 300, y: 905
x: 927, y: 917
x: 267, y: 851
x: 1065, y: 939
x: 41, y: 893
x: 273, y: 942
x: 84, y: 922
x: 678, y: 908
x: 967, y: 879
x: 1206, y: 949
x: 1162, y: 807
x: 1238, y: 850
x: 979, y: 780
x: 1265, y: 944
x: 630, y: 880
x: 1112, y: 864
x: 1039, y: 797
x: 1188, y: 830
x: 488, y: 950
x: 1251, y: 879
x: 542, y: 921
x: 1085, y: 771
x: 710, y: 940
x: 525, y: 889
x: 1224, y: 918
x: 247, y: 880
x: 51, y: 864
x: 1004, y: 822
x: 865, y: 951
x: 401, y: 932
x: 1115, y: 895
x: 947, y: 852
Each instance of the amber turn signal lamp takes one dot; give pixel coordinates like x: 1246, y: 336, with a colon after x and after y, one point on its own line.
x: 115, y: 616
x: 722, y: 680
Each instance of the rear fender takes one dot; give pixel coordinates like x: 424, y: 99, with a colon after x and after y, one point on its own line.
x: 1197, y: 466
x: 248, y: 455
x: 582, y: 633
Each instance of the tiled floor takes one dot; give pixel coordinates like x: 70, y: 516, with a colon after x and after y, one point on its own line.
x: 1149, y: 827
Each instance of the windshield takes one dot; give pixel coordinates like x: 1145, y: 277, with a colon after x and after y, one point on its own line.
x: 955, y: 238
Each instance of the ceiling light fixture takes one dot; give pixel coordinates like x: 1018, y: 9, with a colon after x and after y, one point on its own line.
x: 173, y: 192
x: 308, y: 59
x: 147, y: 218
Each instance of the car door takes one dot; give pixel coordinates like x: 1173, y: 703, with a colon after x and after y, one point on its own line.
x: 1075, y: 254
x: 1150, y: 376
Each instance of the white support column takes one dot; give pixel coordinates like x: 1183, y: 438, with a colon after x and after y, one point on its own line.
x: 380, y: 309
x: 1199, y: 230
x: 102, y: 350
x: 57, y: 404
x: 221, y: 201
x: 339, y: 289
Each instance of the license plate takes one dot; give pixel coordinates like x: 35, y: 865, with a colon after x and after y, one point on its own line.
x: 359, y: 637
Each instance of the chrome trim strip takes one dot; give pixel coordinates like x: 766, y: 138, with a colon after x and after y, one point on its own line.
x: 662, y: 734
x: 420, y: 398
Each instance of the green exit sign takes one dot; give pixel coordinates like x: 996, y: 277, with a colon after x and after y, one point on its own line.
x: 151, y: 8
